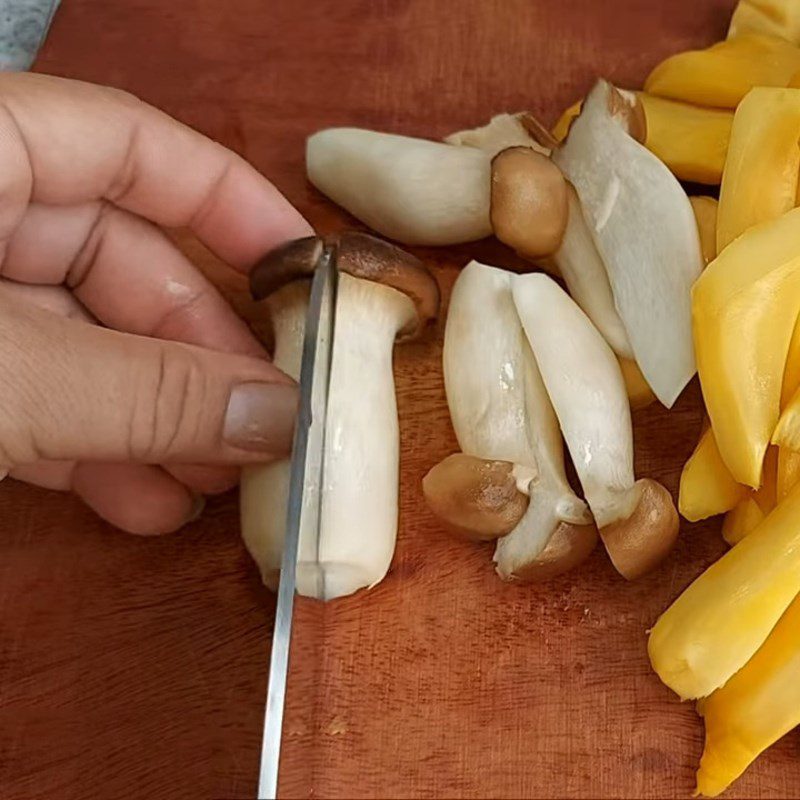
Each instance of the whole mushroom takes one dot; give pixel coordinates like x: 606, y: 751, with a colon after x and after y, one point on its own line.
x: 384, y: 293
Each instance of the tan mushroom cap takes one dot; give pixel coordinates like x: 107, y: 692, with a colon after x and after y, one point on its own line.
x: 529, y: 203
x: 569, y: 546
x: 638, y: 544
x: 474, y: 497
x: 360, y: 255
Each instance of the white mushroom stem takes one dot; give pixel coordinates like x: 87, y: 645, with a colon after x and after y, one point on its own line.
x: 358, y: 524
x: 500, y: 409
x: 586, y: 387
x: 642, y: 223
x: 585, y: 276
x: 636, y: 519
x: 264, y: 490
x: 412, y: 190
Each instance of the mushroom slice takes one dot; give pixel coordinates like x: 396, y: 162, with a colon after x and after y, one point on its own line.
x: 412, y: 190
x: 383, y: 293
x: 481, y: 500
x: 642, y: 223
x: 636, y: 519
x: 535, y: 211
x: 500, y: 409
x: 501, y: 132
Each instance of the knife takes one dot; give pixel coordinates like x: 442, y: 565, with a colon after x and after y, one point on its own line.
x: 305, y: 491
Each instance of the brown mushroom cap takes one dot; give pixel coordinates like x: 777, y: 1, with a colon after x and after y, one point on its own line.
x: 360, y: 255
x: 637, y: 545
x: 569, y: 546
x: 529, y: 203
x: 475, y: 498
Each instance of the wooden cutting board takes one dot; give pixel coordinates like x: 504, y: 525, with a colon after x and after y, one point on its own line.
x: 134, y: 668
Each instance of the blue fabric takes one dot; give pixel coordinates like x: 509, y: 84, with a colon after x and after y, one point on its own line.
x: 23, y: 26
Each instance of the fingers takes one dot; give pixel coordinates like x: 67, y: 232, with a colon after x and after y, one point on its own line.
x: 68, y: 142
x: 71, y: 391
x: 127, y: 272
x: 204, y: 478
x: 117, y: 492
x: 56, y: 299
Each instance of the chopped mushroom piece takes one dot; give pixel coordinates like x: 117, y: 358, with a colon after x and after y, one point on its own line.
x: 501, y: 132
x: 626, y: 191
x: 412, y: 190
x: 383, y: 293
x: 636, y: 519
x: 500, y: 411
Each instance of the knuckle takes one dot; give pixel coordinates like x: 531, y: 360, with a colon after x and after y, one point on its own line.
x: 166, y: 416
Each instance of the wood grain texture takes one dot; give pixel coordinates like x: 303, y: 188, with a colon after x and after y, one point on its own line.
x: 135, y: 668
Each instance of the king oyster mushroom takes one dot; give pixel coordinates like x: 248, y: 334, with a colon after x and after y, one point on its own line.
x: 501, y: 412
x: 636, y: 519
x: 384, y: 293
x: 494, y: 179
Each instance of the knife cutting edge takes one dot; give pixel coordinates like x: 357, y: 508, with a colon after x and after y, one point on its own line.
x: 305, y: 490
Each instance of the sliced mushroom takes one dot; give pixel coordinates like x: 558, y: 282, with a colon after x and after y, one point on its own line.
x: 481, y: 500
x: 412, y: 190
x: 383, y: 293
x: 636, y: 519
x: 535, y: 211
x: 500, y: 410
x: 642, y: 223
x: 502, y: 131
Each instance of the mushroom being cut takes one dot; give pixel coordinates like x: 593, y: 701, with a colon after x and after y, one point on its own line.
x: 637, y: 520
x: 384, y: 293
x: 412, y: 190
x: 500, y: 412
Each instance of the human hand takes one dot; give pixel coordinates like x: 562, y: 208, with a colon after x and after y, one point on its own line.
x: 162, y: 401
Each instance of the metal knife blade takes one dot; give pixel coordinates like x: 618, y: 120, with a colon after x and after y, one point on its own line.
x: 305, y: 489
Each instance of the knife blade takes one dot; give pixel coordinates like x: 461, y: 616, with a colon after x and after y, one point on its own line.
x: 305, y: 491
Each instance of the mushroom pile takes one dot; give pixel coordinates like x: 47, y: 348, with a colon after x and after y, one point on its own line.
x: 522, y: 357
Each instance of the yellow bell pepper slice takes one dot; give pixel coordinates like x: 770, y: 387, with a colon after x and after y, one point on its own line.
x: 772, y: 17
x: 761, y: 171
x: 715, y: 627
x: 758, y: 705
x: 705, y: 212
x: 692, y: 141
x: 752, y: 509
x: 788, y: 472
x: 787, y: 432
x: 707, y: 488
x: 741, y: 520
x: 723, y: 74
x: 639, y: 392
x: 561, y: 128
x: 744, y: 308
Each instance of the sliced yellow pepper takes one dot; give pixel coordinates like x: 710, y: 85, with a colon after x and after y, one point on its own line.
x: 741, y: 520
x: 723, y: 74
x: 773, y: 17
x: 561, y: 128
x: 707, y: 487
x: 757, y: 706
x: 705, y: 212
x: 744, y: 308
x: 750, y: 512
x: 715, y: 627
x: 639, y: 392
x: 787, y: 432
x: 692, y: 141
x: 761, y: 171
x: 788, y: 471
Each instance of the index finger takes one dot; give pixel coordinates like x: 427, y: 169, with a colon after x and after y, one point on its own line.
x: 78, y: 142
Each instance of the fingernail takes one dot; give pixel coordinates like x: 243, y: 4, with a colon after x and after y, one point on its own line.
x: 261, y: 417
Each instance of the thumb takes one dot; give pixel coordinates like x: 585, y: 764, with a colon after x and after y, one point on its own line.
x: 75, y: 391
